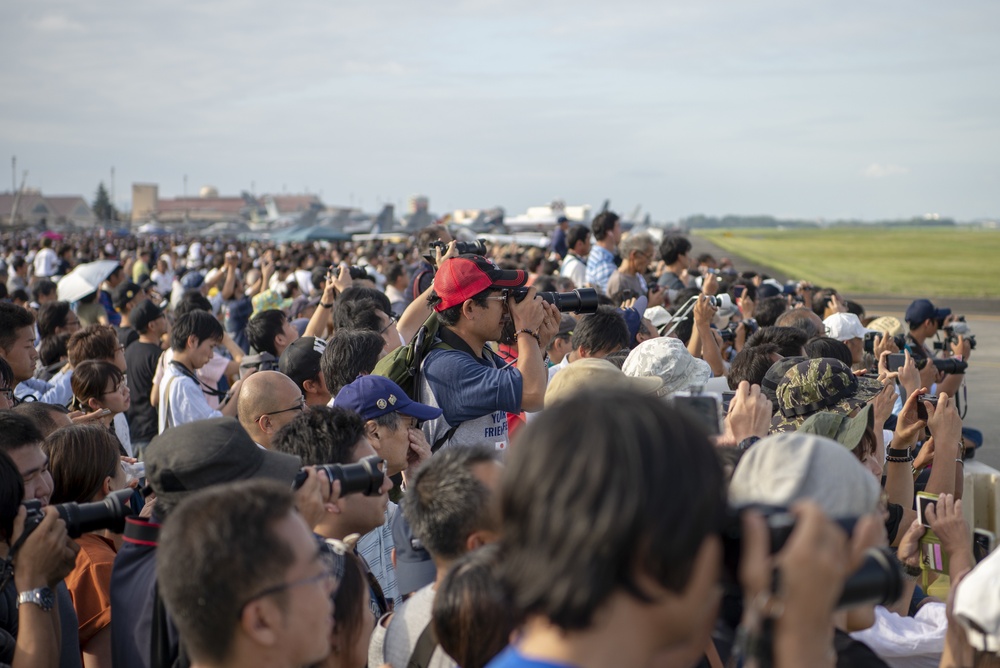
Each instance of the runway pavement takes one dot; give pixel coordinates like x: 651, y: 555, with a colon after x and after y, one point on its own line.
x: 981, y: 399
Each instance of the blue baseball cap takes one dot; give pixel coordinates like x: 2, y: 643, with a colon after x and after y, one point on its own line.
x: 922, y: 310
x: 373, y: 396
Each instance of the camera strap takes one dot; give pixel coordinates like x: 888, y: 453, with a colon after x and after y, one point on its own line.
x: 211, y: 391
x: 141, y: 532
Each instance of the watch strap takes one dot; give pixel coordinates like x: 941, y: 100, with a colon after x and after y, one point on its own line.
x: 40, y: 596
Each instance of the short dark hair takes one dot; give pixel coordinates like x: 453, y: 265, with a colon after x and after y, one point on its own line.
x: 53, y: 348
x: 799, y: 318
x: 321, y: 435
x: 604, y: 224
x: 788, y: 339
x: 263, y: 328
x: 767, y: 310
x: 576, y: 234
x: 93, y: 342
x: 17, y: 431
x: 11, y: 495
x: 199, y: 324
x: 51, y: 316
x: 672, y: 247
x: 349, y: 353
x: 580, y: 522
x: 357, y: 314
x: 42, y: 288
x: 80, y: 458
x: 601, y: 332
x: 357, y: 292
x: 90, y: 378
x: 472, y: 613
x: 192, y: 300
x: 445, y: 501
x: 215, y: 544
x: 396, y: 269
x: 41, y: 413
x: 429, y: 234
x: 13, y: 318
x: 750, y: 364
x: 825, y: 346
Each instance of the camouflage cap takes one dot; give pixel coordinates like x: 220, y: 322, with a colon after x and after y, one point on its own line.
x: 821, y: 384
x: 769, y: 384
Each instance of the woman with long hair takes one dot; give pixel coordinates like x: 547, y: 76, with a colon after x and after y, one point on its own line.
x: 86, y: 467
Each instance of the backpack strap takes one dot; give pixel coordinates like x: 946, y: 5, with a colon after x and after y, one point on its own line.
x: 424, y: 649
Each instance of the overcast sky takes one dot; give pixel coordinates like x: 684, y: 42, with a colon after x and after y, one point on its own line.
x: 784, y: 107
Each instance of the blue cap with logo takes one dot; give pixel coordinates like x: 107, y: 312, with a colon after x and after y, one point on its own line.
x: 374, y: 396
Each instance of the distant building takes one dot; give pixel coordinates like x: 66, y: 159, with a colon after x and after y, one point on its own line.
x: 209, y: 207
x: 36, y: 210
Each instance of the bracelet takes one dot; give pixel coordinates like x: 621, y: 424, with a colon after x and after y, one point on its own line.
x: 960, y: 461
x: 530, y: 333
x: 899, y: 460
x: 325, y: 305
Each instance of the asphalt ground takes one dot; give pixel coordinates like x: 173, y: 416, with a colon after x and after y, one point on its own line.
x: 979, y: 400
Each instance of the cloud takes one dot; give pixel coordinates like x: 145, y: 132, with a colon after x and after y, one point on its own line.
x: 879, y: 171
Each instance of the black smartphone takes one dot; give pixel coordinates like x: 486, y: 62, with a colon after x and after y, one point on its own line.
x: 982, y: 543
x: 705, y: 408
x: 921, y: 409
x: 925, y: 499
x: 894, y: 361
x: 738, y: 291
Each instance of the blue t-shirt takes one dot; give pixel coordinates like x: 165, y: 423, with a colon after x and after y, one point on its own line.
x: 510, y: 658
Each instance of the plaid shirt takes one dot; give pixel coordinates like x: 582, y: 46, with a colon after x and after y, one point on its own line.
x: 600, y: 266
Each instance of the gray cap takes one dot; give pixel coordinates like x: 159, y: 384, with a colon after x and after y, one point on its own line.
x: 667, y: 358
x: 203, y: 453
x: 414, y: 567
x: 784, y: 468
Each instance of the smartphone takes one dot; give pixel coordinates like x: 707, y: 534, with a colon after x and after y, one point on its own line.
x: 925, y: 499
x: 705, y: 408
x: 894, y: 361
x: 727, y: 399
x: 921, y: 409
x: 982, y: 543
x: 738, y: 291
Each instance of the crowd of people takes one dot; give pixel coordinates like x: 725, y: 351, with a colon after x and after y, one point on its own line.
x: 226, y: 453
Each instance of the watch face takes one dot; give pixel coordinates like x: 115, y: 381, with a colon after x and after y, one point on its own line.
x: 48, y: 598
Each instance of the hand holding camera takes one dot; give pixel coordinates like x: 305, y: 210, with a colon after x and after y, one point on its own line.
x: 909, y: 426
x: 944, y: 423
x: 47, y: 554
x: 749, y: 413
x: 316, y: 494
x: 527, y: 313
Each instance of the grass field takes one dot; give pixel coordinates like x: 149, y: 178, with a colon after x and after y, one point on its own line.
x: 952, y: 262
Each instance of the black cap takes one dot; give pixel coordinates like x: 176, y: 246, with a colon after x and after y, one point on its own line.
x: 142, y: 314
x: 124, y: 293
x: 203, y: 453
x: 300, y: 360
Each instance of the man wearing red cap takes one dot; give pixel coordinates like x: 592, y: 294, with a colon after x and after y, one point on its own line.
x: 472, y: 385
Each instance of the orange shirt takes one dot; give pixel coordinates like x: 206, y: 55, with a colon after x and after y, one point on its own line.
x: 90, y: 584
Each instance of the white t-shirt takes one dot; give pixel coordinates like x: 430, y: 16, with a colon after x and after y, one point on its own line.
x: 46, y: 263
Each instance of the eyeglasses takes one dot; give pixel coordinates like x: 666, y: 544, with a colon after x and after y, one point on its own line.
x: 7, y: 393
x: 500, y: 298
x: 324, y: 574
x: 297, y: 407
x: 392, y: 321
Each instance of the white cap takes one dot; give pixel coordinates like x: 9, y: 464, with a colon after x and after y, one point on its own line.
x: 977, y: 604
x: 844, y: 327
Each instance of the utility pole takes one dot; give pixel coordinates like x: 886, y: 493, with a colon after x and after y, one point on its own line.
x: 112, y: 188
x: 13, y: 174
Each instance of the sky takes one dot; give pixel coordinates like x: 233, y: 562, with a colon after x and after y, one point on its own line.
x: 799, y: 109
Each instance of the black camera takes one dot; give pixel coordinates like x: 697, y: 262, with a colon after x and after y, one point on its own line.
x: 921, y: 409
x: 365, y: 477
x: 878, y: 581
x: 359, y: 273
x: 477, y: 247
x: 898, y: 339
x: 581, y: 300
x: 728, y: 333
x: 951, y: 365
x: 81, y: 518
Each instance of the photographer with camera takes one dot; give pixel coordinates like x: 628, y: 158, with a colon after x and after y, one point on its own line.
x: 474, y: 299
x: 40, y: 562
x: 335, y: 436
x: 182, y: 460
x: 924, y: 321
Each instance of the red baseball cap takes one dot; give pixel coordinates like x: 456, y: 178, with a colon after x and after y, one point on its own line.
x: 461, y: 278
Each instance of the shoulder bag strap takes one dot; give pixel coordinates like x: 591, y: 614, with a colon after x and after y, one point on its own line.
x: 424, y: 649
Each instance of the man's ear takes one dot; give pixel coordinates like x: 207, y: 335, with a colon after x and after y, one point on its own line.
x: 260, y: 620
x: 193, y: 342
x: 311, y: 386
x: 371, y: 431
x: 467, y: 307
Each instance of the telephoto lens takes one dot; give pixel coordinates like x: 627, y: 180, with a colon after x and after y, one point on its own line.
x: 365, y: 477
x: 581, y: 300
x: 81, y: 518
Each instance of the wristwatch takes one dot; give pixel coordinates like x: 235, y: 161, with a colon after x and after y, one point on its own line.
x: 42, y: 597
